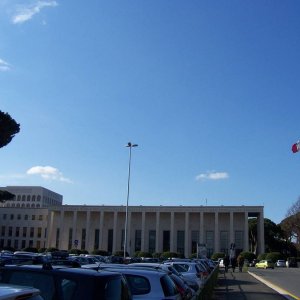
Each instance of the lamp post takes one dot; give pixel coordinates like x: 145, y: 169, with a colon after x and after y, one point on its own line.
x: 129, y: 145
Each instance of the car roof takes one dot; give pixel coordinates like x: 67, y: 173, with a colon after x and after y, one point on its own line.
x: 11, y: 291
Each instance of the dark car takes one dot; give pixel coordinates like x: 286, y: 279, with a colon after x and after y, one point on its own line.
x: 64, y: 283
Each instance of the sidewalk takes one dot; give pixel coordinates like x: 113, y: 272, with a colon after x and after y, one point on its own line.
x: 242, y: 286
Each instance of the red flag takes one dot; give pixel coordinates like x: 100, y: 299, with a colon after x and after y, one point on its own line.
x: 296, y: 147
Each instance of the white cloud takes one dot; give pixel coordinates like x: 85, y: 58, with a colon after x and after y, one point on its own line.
x: 48, y: 173
x: 212, y: 175
x: 25, y: 13
x: 4, y: 66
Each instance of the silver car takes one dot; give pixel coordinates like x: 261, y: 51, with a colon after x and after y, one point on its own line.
x: 14, y: 292
x: 147, y: 283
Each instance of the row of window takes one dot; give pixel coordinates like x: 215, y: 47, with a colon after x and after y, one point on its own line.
x: 19, y: 217
x: 24, y: 232
x: 21, y: 244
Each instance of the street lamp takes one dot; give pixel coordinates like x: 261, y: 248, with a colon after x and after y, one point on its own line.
x: 129, y: 145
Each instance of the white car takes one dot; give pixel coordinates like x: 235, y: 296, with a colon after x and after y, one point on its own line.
x: 280, y: 263
x: 14, y: 292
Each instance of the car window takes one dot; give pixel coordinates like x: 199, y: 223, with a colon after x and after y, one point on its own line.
x: 168, y: 286
x: 116, y: 289
x: 41, y: 281
x: 139, y: 285
x: 68, y: 288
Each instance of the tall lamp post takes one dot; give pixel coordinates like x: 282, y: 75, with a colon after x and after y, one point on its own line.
x: 129, y: 145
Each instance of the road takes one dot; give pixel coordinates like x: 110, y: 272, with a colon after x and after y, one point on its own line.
x: 287, y: 279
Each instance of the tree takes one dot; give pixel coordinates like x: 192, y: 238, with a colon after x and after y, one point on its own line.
x: 8, y: 128
x: 291, y: 225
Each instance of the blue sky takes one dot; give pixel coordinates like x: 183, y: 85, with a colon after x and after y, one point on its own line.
x: 208, y: 89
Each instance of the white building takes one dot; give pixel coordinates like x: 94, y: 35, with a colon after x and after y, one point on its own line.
x: 150, y: 228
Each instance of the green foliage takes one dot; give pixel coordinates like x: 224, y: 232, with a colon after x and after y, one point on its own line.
x: 248, y: 255
x: 51, y: 249
x: 30, y: 249
x: 157, y: 255
x: 78, y: 251
x: 217, y: 255
x: 8, y: 128
x: 120, y: 253
x: 100, y: 252
x: 142, y: 254
x: 274, y: 256
x: 262, y: 256
x: 168, y: 254
x: 42, y: 250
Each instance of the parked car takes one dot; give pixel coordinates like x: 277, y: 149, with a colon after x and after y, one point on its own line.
x: 65, y: 283
x: 168, y: 268
x: 265, y: 264
x: 190, y: 270
x: 253, y: 262
x: 280, y: 263
x: 147, y: 283
x: 17, y: 292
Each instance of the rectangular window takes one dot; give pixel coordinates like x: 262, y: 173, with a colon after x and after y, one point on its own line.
x: 57, y: 238
x: 39, y: 232
x: 16, y: 244
x: 83, y: 238
x: 224, y: 241
x: 24, y: 231
x: 2, y: 230
x: 45, y: 233
x: 26, y: 217
x: 10, y: 231
x: 19, y: 217
x: 110, y: 240
x: 123, y: 239
x: 239, y: 239
x: 33, y: 217
x: 31, y: 232
x: 138, y: 240
x: 96, y: 240
x: 166, y: 240
x: 180, y: 241
x: 210, y: 242
x: 11, y: 216
x: 8, y: 243
x: 152, y: 239
x: 195, y: 240
x: 17, y: 231
x: 40, y: 217
x: 1, y: 243
x: 70, y: 242
x: 4, y: 216
x: 23, y: 244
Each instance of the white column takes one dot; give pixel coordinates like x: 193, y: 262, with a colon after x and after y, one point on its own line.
x: 101, y: 244
x: 143, y: 231
x: 129, y: 247
x: 246, y: 233
x: 261, y: 234
x: 172, y: 242
x: 114, y: 248
x: 61, y: 230
x: 74, y: 228
x: 216, y: 247
x: 157, y: 241
x: 87, y: 231
x: 231, y: 233
x: 186, y: 235
x: 201, y: 240
x: 50, y: 230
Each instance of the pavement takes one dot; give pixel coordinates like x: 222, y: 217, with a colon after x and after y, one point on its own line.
x: 244, y: 286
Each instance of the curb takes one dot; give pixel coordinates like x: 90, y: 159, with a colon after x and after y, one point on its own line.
x: 276, y: 288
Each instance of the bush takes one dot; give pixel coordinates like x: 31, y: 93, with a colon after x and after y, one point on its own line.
x: 217, y: 255
x: 274, y: 256
x: 248, y: 255
x: 142, y: 254
x: 166, y: 255
x: 30, y: 249
x: 262, y: 256
x: 78, y: 251
x: 100, y: 252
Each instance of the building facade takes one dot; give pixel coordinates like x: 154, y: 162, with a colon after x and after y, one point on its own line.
x: 153, y: 229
